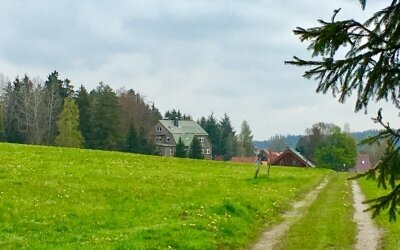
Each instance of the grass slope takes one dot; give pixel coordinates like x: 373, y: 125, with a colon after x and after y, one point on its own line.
x: 70, y: 198
x: 328, y: 223
x: 391, y: 234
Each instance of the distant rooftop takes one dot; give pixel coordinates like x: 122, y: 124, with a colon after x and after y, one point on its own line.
x: 185, y: 130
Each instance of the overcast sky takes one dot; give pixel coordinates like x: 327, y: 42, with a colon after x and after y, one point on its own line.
x: 199, y: 56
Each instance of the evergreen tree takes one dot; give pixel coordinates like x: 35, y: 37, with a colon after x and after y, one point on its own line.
x: 68, y: 126
x: 195, y: 149
x: 212, y: 128
x: 180, y: 149
x: 132, y: 140
x: 362, y: 57
x: 83, y: 103
x: 53, y: 104
x: 202, y: 122
x: 176, y: 114
x: 146, y: 145
x: 246, y: 146
x: 104, y: 120
x: 227, y: 138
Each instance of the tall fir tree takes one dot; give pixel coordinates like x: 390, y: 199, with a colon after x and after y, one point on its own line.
x: 195, y: 149
x: 180, y: 149
x: 105, y: 117
x: 132, y: 140
x: 227, y: 138
x: 53, y: 104
x: 83, y: 102
x: 212, y: 128
x: 68, y: 126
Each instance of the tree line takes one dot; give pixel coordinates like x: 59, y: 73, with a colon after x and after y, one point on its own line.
x: 53, y: 113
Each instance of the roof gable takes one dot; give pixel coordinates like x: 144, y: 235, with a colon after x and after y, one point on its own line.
x: 296, y: 154
x: 186, y: 130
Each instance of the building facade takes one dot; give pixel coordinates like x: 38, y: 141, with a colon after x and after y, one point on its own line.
x: 292, y: 158
x: 166, y: 134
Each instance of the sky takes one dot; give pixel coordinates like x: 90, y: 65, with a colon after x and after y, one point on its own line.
x: 198, y: 56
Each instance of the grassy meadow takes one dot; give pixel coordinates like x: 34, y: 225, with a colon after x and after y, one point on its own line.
x: 72, y: 198
x: 391, y: 230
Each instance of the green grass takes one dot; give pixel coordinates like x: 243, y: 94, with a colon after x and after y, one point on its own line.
x: 70, y: 198
x: 328, y: 223
x: 391, y: 234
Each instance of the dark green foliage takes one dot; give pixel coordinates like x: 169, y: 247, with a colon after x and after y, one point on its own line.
x: 105, y: 115
x: 213, y: 130
x: 146, y: 146
x: 176, y: 114
x: 180, y: 149
x: 222, y: 136
x: 132, y: 140
x: 30, y: 110
x: 338, y: 151
x: 53, y: 103
x: 370, y: 68
x: 195, y: 149
x: 227, y: 140
x: 82, y: 101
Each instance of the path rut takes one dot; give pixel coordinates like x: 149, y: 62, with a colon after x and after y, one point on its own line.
x: 271, y: 237
x: 368, y: 235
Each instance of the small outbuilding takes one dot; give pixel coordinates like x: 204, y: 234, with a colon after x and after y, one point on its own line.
x: 290, y: 157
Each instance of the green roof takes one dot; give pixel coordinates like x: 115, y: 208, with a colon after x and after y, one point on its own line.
x: 185, y: 130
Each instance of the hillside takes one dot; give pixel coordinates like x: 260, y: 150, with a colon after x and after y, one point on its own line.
x: 291, y: 140
x: 71, y: 198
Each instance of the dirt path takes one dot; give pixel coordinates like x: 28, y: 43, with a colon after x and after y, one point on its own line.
x: 269, y: 238
x: 368, y: 234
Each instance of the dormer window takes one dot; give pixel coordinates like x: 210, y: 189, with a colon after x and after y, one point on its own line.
x: 201, y: 139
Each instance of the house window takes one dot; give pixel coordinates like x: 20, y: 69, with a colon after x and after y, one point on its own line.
x: 201, y: 139
x: 167, y: 140
x: 207, y: 151
x: 159, y: 129
x: 171, y: 151
x: 202, y: 151
x: 159, y: 139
